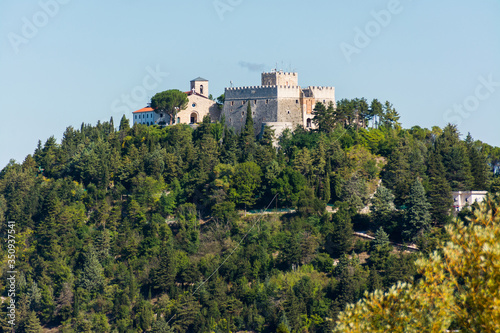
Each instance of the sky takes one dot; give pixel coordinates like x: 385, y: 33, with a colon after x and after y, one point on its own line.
x: 68, y: 62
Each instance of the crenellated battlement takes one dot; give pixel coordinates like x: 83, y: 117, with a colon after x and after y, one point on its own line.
x: 249, y: 88
x: 280, y: 73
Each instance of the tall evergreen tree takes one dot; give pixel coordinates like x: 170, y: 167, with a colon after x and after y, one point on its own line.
x: 32, y: 324
x: 166, y: 272
x: 478, y: 164
x: 247, y: 137
x: 418, y: 217
x: 324, y: 117
x: 124, y: 124
x: 339, y: 232
x: 92, y: 276
x: 455, y: 159
x: 439, y: 194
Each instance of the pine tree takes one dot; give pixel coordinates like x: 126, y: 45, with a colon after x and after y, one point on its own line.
x: 161, y: 326
x: 478, y: 164
x: 166, y: 272
x: 455, y: 159
x: 418, y: 217
x: 439, y: 194
x: 339, y: 232
x: 32, y: 324
x: 92, y: 276
x: 382, y: 202
x: 397, y: 174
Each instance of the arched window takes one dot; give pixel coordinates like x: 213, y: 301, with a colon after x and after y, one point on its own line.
x: 201, y: 89
x: 309, y: 123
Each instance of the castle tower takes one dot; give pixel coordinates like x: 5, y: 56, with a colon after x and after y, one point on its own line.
x: 200, y: 86
x: 279, y: 78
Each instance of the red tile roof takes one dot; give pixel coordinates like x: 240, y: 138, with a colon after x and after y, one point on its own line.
x: 146, y: 109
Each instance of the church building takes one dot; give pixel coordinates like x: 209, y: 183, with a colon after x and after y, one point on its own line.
x: 199, y: 105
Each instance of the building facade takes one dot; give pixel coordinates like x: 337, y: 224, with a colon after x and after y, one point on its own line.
x: 145, y: 116
x: 466, y: 198
x: 278, y: 102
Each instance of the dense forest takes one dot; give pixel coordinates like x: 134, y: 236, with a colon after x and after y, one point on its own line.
x: 175, y: 229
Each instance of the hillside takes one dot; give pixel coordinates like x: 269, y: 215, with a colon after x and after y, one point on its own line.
x: 145, y: 228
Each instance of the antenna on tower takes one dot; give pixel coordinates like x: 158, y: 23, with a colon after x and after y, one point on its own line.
x: 231, y: 83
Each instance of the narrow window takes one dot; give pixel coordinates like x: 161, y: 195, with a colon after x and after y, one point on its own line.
x: 201, y: 89
x: 232, y: 103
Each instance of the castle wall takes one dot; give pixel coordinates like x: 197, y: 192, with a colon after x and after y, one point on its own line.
x: 280, y: 99
x: 262, y: 101
x: 323, y: 94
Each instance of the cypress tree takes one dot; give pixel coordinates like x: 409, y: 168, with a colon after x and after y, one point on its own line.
x: 124, y: 124
x: 247, y: 138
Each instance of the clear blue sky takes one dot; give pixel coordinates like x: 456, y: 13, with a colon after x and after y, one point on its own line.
x: 73, y: 62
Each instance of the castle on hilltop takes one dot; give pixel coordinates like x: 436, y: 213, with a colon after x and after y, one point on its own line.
x: 279, y: 102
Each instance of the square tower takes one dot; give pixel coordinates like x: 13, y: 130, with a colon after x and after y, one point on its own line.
x: 200, y: 86
x: 280, y: 78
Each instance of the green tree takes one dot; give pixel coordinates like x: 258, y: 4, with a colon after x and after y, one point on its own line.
x: 439, y: 193
x: 324, y: 117
x: 169, y: 102
x: 418, y: 217
x: 247, y: 137
x: 455, y: 159
x: 92, y: 276
x: 124, y: 124
x: 161, y: 326
x: 339, y: 232
x: 246, y: 180
x: 478, y: 164
x: 382, y: 201
x: 32, y: 324
x: 166, y: 272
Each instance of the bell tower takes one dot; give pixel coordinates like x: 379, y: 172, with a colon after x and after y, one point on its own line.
x: 200, y: 86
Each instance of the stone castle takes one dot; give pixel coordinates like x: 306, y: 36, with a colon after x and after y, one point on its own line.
x: 279, y: 102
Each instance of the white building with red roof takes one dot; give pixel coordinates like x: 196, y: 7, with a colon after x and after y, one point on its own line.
x: 146, y: 116
x: 199, y: 106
